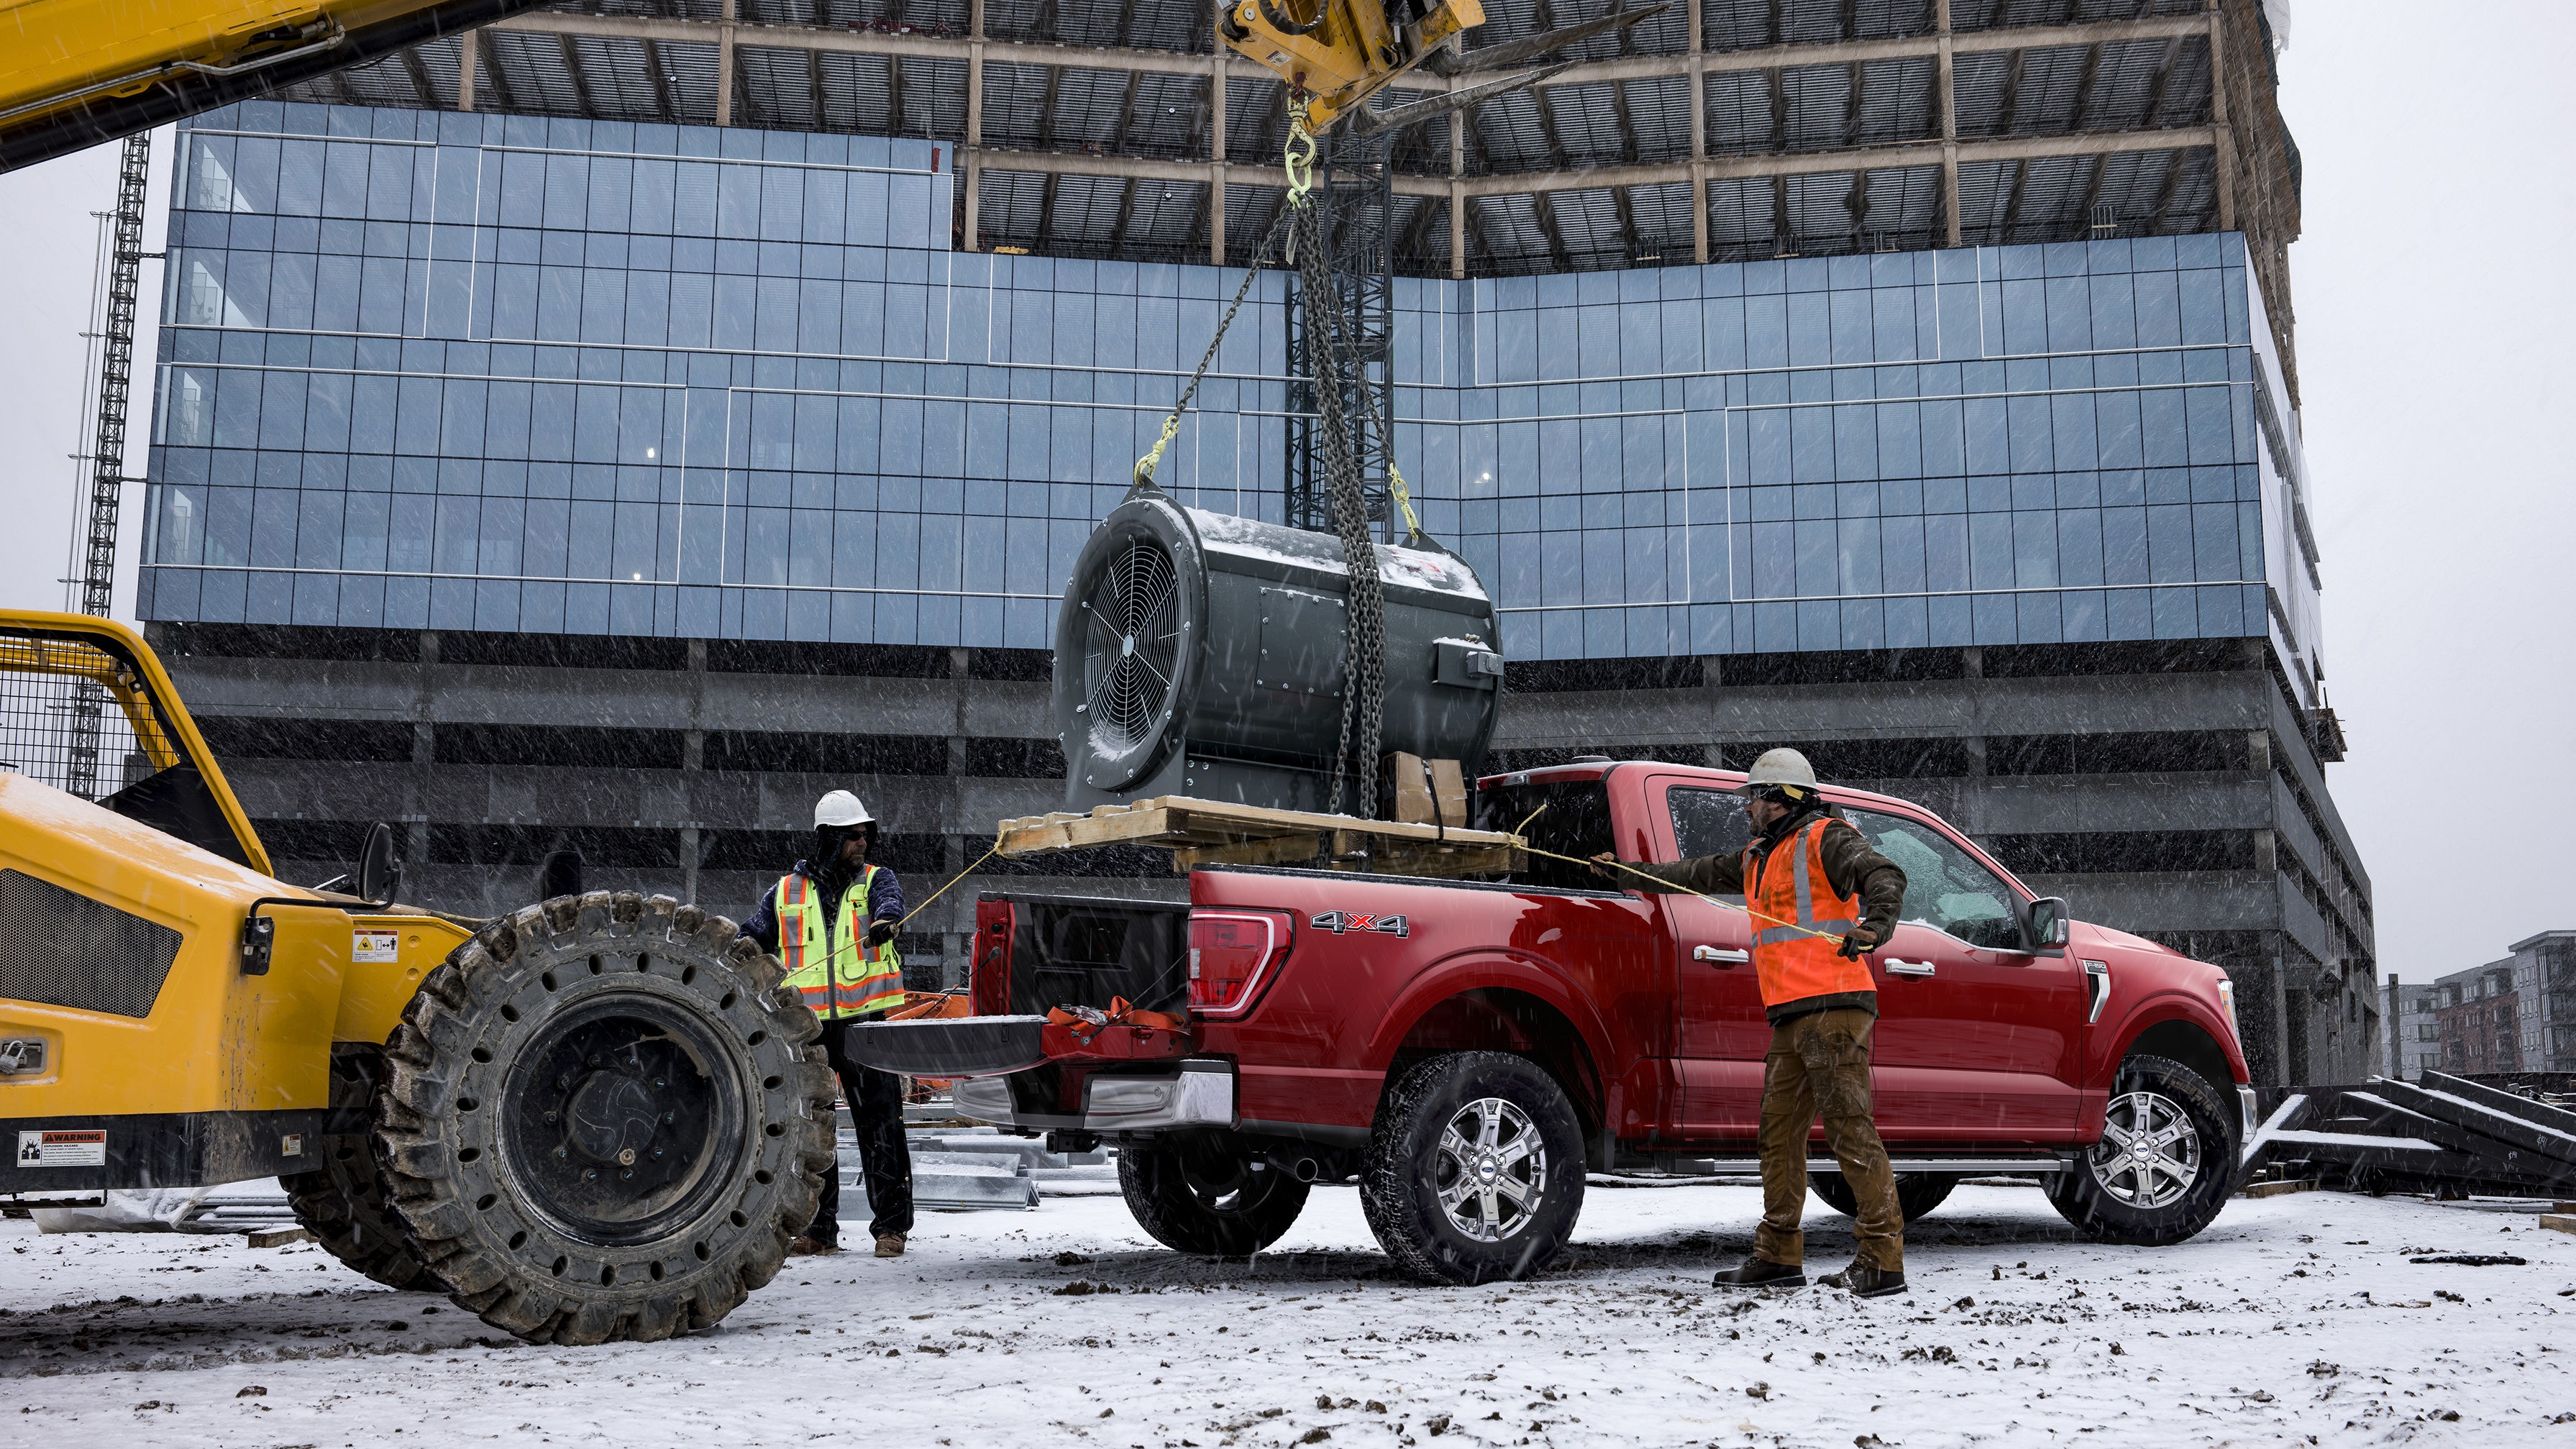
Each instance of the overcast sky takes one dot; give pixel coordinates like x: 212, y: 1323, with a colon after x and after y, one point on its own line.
x: 2433, y: 302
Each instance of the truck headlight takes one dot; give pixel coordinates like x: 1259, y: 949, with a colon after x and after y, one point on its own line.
x: 2227, y: 999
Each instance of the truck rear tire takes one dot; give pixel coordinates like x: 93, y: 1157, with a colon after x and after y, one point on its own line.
x: 1208, y: 1196
x: 2165, y: 1162
x: 343, y: 1204
x: 604, y: 1121
x: 1475, y: 1169
x: 1917, y: 1193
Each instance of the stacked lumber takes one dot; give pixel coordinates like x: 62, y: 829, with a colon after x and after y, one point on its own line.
x: 1214, y: 832
x: 2442, y: 1134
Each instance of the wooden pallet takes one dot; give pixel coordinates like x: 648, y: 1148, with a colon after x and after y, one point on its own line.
x: 1212, y: 832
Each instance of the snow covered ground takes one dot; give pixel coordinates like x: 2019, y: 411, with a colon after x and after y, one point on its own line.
x: 2292, y: 1320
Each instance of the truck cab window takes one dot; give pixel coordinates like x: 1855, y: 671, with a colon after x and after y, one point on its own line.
x: 1945, y: 888
x: 1708, y: 822
x: 1575, y: 821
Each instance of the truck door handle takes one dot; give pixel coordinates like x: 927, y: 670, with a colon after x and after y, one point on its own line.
x: 1719, y: 955
x: 1907, y: 968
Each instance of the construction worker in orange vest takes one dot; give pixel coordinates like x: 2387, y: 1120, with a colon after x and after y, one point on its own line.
x: 831, y: 922
x: 1823, y: 897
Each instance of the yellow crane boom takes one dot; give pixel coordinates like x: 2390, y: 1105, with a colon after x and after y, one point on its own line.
x: 74, y: 73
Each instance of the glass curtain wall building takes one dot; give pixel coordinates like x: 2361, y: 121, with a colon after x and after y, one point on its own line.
x: 501, y: 373
x: 552, y: 482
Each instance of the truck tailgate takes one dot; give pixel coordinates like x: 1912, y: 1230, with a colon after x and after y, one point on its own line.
x: 987, y: 1046
x: 962, y: 1046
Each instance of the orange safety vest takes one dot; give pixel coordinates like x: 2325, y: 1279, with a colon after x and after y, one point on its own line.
x: 829, y: 964
x: 1790, y: 886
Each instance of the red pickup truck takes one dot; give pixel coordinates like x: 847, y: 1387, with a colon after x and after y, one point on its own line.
x: 1467, y: 1051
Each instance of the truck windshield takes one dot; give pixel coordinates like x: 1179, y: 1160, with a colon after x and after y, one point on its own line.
x: 1568, y: 818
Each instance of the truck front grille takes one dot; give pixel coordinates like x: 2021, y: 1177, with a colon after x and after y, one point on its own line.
x: 62, y: 949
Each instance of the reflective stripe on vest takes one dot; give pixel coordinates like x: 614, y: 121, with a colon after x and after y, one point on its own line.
x: 1792, y: 964
x: 828, y: 963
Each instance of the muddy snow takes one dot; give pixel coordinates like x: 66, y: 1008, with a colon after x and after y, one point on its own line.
x: 2293, y: 1319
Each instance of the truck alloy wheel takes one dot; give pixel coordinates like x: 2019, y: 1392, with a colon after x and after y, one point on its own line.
x: 604, y: 1121
x: 1208, y: 1196
x: 2150, y: 1151
x: 2162, y: 1169
x: 1475, y: 1168
x: 1491, y: 1167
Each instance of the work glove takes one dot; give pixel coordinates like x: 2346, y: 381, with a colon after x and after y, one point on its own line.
x: 879, y: 933
x: 1857, y: 942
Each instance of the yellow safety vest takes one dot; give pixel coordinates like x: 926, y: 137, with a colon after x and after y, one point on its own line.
x: 830, y: 966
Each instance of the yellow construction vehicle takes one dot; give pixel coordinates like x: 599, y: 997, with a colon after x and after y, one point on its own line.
x: 77, y: 72
x: 595, y: 1118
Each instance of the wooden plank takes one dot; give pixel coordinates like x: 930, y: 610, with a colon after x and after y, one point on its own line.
x: 1176, y: 820
x: 1276, y: 850
x: 2277, y: 1189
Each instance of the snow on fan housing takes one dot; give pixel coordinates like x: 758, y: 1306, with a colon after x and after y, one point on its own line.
x: 1204, y: 654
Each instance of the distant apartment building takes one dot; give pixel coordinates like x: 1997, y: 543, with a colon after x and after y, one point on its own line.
x: 2517, y: 1014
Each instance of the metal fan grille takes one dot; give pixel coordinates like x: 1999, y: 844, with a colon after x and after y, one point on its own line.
x: 1131, y: 646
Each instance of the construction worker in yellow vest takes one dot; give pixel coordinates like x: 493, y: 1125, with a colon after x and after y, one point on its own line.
x: 831, y: 922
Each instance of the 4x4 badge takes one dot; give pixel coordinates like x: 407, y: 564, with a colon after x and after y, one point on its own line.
x: 1343, y: 922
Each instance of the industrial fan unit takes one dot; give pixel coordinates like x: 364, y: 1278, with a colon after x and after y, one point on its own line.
x: 1207, y: 655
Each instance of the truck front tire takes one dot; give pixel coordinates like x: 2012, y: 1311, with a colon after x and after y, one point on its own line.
x: 1917, y: 1193
x: 604, y: 1121
x: 1475, y: 1169
x: 2165, y: 1162
x: 1208, y: 1196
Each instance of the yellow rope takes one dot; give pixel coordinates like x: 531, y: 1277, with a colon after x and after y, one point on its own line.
x: 952, y: 880
x: 1686, y: 890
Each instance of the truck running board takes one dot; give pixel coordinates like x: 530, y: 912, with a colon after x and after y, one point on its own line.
x: 1965, y: 1166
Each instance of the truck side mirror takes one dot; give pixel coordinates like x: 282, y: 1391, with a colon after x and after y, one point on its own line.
x: 379, y: 874
x: 2044, y: 925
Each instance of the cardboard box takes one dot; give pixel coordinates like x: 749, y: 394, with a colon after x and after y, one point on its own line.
x: 1426, y: 792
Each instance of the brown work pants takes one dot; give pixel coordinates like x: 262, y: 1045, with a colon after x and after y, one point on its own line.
x: 1820, y: 1061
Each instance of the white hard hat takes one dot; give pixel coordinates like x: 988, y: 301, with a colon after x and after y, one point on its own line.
x: 840, y: 808
x: 1779, y: 767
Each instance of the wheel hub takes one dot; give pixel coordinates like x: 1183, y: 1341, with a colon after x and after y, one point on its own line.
x: 1490, y: 1169
x: 2150, y: 1153
x: 611, y: 1118
x: 621, y: 1118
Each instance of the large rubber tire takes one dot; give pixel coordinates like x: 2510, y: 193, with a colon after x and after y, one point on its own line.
x: 1206, y: 1195
x: 1917, y: 1193
x: 604, y: 1121
x: 1422, y: 1198
x: 343, y: 1204
x: 2101, y: 1192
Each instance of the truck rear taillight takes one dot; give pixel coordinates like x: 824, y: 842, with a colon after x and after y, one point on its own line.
x: 1230, y: 954
x: 989, y: 966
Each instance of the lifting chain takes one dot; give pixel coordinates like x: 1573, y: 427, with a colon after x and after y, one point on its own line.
x: 1300, y: 221
x: 1301, y: 179
x: 1364, y: 685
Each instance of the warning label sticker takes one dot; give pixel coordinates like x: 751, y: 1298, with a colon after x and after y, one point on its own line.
x: 374, y: 946
x: 62, y: 1149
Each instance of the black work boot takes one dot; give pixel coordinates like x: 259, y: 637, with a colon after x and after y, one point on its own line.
x: 1761, y: 1273
x: 1865, y: 1281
